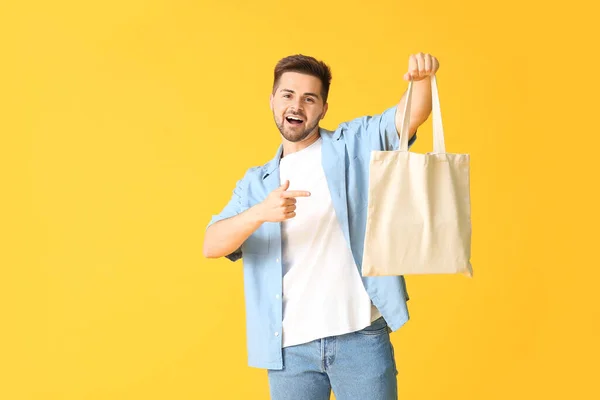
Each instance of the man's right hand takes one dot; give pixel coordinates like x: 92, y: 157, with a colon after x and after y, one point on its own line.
x: 224, y: 237
x: 280, y: 204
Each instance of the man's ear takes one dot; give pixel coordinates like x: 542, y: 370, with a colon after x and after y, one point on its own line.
x: 271, y: 101
x: 325, y: 108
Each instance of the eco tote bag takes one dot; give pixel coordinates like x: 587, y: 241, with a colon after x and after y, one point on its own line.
x: 418, y: 213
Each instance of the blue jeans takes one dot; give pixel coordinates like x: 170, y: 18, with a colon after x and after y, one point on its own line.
x: 357, y: 366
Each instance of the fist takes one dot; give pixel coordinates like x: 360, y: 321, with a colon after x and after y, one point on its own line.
x: 421, y: 66
x: 280, y: 204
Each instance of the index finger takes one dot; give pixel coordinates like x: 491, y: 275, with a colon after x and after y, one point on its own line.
x: 295, y: 193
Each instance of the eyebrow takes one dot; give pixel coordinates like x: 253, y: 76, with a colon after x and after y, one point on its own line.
x: 305, y: 94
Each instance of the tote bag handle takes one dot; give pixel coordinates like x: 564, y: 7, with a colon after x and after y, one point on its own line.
x: 438, y: 130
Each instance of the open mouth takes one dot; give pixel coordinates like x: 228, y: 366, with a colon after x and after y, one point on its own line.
x: 294, y: 120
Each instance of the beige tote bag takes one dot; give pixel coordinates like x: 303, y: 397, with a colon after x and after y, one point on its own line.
x: 418, y: 215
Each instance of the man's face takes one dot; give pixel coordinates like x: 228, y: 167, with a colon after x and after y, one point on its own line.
x: 297, y: 105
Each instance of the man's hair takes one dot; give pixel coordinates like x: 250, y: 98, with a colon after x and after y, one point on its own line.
x: 304, y: 65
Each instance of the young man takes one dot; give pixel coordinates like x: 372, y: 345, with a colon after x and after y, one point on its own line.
x: 299, y: 223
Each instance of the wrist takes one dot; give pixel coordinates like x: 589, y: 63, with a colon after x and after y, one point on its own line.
x: 257, y: 215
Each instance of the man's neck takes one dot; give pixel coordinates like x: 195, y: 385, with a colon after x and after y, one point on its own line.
x: 292, y: 147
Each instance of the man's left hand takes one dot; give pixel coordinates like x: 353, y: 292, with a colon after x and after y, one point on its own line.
x: 421, y: 66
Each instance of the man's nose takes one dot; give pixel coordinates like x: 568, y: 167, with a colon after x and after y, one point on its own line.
x: 297, y: 105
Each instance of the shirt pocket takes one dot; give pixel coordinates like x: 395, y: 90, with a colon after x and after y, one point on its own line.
x: 258, y: 242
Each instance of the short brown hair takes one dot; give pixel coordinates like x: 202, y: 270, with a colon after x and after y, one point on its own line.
x: 304, y: 65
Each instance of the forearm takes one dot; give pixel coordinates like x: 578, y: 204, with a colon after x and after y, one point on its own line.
x: 226, y: 236
x: 420, y: 106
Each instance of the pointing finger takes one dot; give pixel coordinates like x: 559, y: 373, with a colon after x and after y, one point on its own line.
x: 295, y: 193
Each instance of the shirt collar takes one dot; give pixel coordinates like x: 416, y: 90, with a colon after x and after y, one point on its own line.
x: 274, y: 163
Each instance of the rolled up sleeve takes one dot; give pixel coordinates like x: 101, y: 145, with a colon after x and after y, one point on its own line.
x: 378, y: 132
x: 382, y: 132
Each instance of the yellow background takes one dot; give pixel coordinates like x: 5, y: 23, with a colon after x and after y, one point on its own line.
x: 125, y: 125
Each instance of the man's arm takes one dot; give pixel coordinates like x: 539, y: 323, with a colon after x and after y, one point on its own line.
x: 421, y: 67
x: 420, y: 107
x: 226, y: 236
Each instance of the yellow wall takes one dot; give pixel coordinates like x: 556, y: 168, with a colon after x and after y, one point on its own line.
x: 125, y: 124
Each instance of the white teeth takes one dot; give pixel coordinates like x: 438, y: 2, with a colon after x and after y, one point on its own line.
x: 295, y: 119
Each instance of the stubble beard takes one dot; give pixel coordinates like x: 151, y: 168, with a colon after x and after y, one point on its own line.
x: 295, y: 136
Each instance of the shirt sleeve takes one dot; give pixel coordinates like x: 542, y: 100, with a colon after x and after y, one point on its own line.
x: 233, y: 208
x: 380, y: 130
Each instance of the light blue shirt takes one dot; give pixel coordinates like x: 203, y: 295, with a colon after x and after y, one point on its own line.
x: 346, y: 154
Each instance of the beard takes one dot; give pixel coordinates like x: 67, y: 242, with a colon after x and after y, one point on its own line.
x: 297, y: 134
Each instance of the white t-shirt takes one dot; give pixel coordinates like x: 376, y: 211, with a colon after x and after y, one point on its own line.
x: 323, y: 293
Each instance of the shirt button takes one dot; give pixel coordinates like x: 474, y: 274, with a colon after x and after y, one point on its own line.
x: 276, y: 333
x: 277, y: 260
x: 277, y: 296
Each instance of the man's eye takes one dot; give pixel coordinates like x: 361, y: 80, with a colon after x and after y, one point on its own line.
x: 310, y: 100
x: 287, y: 96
